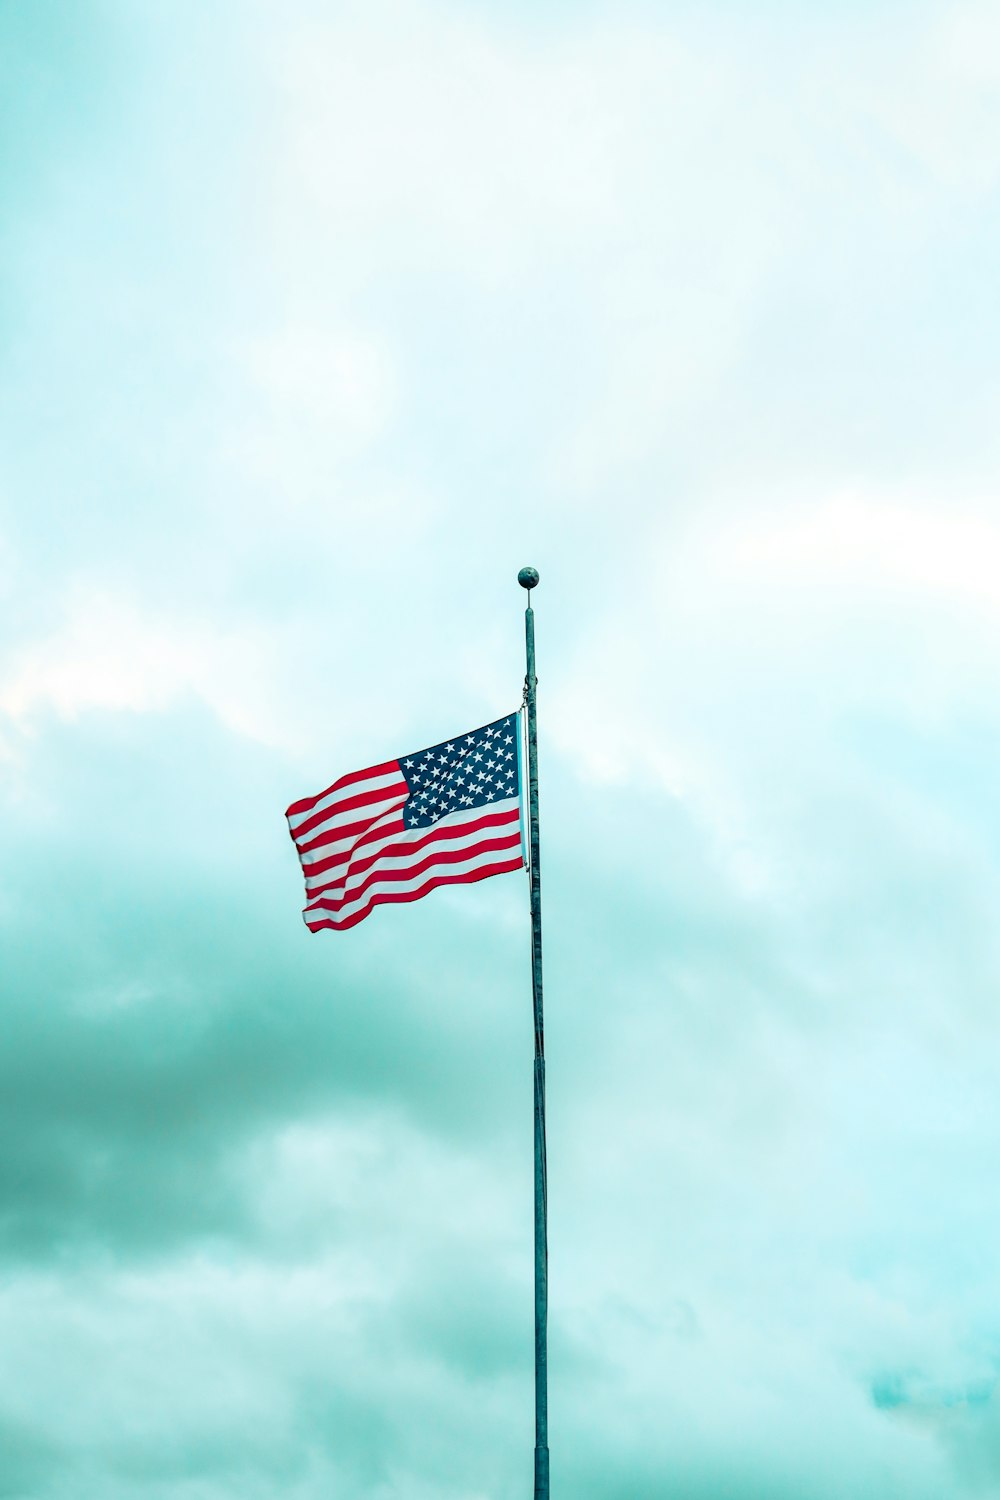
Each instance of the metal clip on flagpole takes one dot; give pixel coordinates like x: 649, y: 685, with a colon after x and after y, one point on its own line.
x: 528, y: 578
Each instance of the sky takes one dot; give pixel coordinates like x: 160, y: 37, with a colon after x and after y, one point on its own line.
x: 317, y: 322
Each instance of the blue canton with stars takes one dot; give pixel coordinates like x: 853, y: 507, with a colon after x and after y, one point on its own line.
x: 470, y: 771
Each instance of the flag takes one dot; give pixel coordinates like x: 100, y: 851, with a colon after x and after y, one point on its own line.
x: 392, y: 832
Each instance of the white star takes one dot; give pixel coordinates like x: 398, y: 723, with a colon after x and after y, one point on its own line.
x: 509, y: 740
x: 408, y: 763
x: 450, y: 748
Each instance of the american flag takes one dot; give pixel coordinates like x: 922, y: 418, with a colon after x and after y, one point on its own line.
x: 392, y: 832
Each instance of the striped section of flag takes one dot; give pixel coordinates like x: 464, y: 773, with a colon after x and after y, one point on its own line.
x: 446, y: 815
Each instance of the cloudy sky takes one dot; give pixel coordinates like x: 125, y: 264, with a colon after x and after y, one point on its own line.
x: 317, y: 321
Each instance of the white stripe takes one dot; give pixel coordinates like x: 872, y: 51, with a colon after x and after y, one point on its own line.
x: 367, y: 815
x: 373, y: 784
x: 399, y: 887
x: 403, y: 860
x: 467, y: 814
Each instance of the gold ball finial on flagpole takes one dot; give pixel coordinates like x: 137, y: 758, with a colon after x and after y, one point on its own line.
x: 528, y: 578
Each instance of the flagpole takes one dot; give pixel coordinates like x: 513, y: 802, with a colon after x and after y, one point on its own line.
x: 528, y: 578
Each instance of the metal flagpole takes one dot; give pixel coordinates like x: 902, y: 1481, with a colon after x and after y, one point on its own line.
x: 528, y: 578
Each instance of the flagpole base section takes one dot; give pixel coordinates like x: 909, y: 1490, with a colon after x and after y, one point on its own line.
x: 541, y: 1474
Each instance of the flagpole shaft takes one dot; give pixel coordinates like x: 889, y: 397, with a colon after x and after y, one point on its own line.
x: 541, y: 1174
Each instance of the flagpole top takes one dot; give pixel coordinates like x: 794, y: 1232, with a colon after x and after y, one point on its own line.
x: 528, y: 579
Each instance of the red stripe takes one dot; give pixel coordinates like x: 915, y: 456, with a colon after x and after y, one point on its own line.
x: 347, y: 804
x: 436, y: 857
x: 378, y: 899
x: 440, y: 832
x: 305, y: 803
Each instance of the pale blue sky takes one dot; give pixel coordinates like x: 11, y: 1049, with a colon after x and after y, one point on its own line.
x: 316, y: 323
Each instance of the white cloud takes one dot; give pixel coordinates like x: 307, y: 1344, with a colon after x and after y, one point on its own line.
x: 760, y: 643
x: 313, y: 400
x: 942, y: 103
x: 111, y: 654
